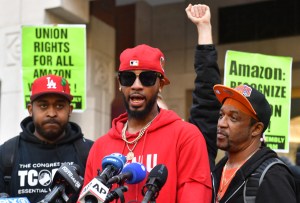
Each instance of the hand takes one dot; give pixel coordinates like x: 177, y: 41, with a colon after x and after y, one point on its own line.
x: 199, y: 14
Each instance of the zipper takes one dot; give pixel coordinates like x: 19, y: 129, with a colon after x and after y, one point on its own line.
x: 235, y: 191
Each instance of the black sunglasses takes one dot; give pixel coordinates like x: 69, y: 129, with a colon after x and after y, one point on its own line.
x: 147, y: 78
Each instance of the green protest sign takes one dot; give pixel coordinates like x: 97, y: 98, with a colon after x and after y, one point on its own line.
x: 58, y: 50
x: 271, y: 75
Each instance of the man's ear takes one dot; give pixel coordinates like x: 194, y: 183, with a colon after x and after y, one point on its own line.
x: 29, y: 109
x: 161, y: 84
x: 257, y: 129
x: 71, y: 109
x: 120, y: 86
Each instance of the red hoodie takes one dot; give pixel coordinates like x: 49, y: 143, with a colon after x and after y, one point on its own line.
x: 170, y: 141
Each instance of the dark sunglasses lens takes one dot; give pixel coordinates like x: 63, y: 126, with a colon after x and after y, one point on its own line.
x: 126, y: 78
x: 148, y: 78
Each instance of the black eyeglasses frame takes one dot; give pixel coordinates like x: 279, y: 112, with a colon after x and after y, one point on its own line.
x: 147, y: 80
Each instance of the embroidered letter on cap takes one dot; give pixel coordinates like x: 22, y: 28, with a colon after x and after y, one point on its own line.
x: 134, y: 63
x: 51, y: 83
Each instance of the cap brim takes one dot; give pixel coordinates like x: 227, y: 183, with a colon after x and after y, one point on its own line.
x: 67, y: 96
x: 222, y: 92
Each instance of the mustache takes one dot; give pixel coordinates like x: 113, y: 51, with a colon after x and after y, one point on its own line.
x: 219, y: 131
x: 51, y: 121
x: 136, y: 94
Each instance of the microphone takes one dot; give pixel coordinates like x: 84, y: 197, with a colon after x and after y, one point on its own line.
x: 116, y: 193
x: 156, y: 180
x: 66, y: 183
x: 7, y: 199
x: 3, y: 195
x: 111, y: 165
x: 132, y: 173
x: 97, y: 190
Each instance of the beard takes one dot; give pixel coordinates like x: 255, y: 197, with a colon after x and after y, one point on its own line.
x: 143, y: 113
x: 53, y: 133
x: 224, y: 147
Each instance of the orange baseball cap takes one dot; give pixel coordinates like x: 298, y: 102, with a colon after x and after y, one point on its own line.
x: 252, y: 99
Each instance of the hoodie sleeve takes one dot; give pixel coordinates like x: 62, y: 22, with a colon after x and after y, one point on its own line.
x: 205, y: 108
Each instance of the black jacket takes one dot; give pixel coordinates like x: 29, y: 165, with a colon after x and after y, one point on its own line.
x: 205, y: 109
x: 36, y: 162
x: 278, y: 184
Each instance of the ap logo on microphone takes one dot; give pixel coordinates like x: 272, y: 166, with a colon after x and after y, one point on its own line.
x: 94, y: 188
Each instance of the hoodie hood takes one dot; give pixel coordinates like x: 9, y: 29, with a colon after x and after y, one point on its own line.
x: 73, y: 132
x: 260, y: 156
x: 165, y: 117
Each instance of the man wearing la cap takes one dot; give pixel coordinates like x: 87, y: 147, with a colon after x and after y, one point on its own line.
x: 47, y: 140
x: 152, y: 135
x: 243, y: 118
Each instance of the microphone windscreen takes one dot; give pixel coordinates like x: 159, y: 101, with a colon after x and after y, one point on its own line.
x: 137, y: 170
x: 3, y: 195
x: 76, y: 168
x: 14, y: 199
x: 68, y: 174
x: 160, y: 173
x: 116, y: 159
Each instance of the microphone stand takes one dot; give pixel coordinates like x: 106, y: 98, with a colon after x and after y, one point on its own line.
x: 117, y: 193
x: 150, y: 195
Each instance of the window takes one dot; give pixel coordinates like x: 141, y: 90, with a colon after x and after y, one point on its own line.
x: 256, y: 21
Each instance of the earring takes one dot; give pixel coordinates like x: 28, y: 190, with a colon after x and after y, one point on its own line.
x: 120, y: 88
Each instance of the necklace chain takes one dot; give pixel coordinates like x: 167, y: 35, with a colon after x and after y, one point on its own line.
x: 130, y: 154
x: 141, y: 133
x: 224, y: 182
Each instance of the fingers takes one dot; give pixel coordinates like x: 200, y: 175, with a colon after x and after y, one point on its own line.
x: 188, y: 9
x: 200, y: 10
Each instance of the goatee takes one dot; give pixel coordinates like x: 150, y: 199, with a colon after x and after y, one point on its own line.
x: 143, y: 113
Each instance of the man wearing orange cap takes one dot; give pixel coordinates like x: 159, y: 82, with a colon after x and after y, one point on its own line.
x: 47, y: 140
x: 152, y: 135
x: 243, y: 118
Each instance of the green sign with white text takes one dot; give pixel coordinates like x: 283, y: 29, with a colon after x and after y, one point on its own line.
x: 271, y: 75
x: 58, y: 50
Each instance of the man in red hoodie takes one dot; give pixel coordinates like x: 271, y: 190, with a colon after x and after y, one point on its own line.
x: 152, y: 135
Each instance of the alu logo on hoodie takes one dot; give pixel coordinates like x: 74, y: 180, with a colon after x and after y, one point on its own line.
x: 150, y: 160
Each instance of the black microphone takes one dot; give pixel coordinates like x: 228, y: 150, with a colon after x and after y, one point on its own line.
x: 116, y: 193
x: 132, y: 173
x: 156, y: 180
x: 97, y: 190
x: 66, y: 183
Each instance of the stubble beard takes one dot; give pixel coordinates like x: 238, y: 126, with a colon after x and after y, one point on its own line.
x: 51, y: 134
x: 136, y: 114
